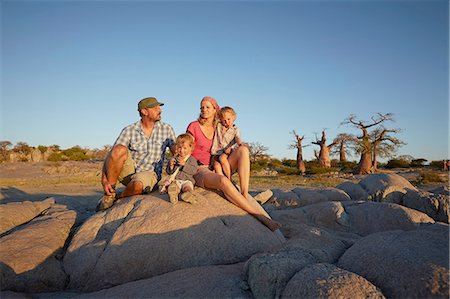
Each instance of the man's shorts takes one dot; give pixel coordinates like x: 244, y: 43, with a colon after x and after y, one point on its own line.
x: 128, y: 174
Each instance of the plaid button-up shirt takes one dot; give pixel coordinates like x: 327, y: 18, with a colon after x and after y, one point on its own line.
x: 147, y: 153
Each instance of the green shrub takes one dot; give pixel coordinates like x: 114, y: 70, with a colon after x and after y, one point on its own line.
x: 397, y: 163
x: 347, y: 166
x: 42, y: 148
x: 439, y: 164
x: 75, y: 153
x: 429, y: 177
x: 289, y: 162
x: 56, y: 157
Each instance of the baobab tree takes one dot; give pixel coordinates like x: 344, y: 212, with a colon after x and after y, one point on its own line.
x: 369, y: 140
x: 344, y: 142
x: 324, y: 153
x: 257, y: 151
x: 383, y: 143
x: 298, y: 145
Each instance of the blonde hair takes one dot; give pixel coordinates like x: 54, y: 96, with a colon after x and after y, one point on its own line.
x: 185, y: 137
x: 226, y: 109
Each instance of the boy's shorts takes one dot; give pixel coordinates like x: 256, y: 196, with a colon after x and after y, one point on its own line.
x: 148, y: 178
x: 184, y: 183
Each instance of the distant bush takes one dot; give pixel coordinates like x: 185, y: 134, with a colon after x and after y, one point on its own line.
x: 347, y: 166
x: 289, y: 162
x: 429, y: 177
x: 75, y: 153
x: 42, y: 148
x: 259, y: 164
x: 288, y: 170
x: 56, y: 157
x: 313, y: 167
x: 437, y: 164
x: 418, y: 163
x: 397, y: 163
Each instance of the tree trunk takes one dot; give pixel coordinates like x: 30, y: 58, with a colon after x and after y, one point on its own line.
x: 374, y: 161
x: 342, y: 157
x: 365, y: 164
x: 300, y: 164
x: 324, y: 156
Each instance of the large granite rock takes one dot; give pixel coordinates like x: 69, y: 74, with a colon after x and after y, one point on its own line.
x: 403, y: 264
x: 17, y: 213
x: 145, y: 236
x: 30, y: 256
x: 361, y: 218
x: 394, y: 188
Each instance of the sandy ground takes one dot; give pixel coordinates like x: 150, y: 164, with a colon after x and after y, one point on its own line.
x: 81, y: 180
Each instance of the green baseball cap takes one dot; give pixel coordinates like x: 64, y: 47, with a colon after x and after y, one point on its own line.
x: 148, y: 103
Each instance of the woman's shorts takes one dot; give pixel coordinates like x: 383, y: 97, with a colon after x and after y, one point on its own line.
x: 199, y: 177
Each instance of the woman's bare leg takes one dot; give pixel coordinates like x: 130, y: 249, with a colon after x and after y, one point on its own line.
x: 239, y: 160
x: 215, y: 181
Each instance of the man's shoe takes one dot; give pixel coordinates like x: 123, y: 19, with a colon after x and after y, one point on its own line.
x: 173, y: 192
x: 105, y: 202
x: 189, y: 197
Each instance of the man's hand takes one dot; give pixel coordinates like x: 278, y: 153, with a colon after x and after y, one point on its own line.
x: 228, y: 151
x: 107, y: 187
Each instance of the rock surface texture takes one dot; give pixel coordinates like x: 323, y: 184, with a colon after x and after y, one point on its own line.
x: 380, y: 238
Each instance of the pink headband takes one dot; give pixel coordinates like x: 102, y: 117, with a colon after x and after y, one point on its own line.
x: 212, y: 101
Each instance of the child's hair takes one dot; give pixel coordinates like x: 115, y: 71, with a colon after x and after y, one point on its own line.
x: 186, y: 137
x: 226, y: 109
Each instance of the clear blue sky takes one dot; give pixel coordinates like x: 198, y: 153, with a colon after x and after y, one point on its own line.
x: 73, y: 71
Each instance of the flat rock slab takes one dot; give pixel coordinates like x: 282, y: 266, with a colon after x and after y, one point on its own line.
x: 29, y: 256
x: 222, y: 281
x: 17, y: 213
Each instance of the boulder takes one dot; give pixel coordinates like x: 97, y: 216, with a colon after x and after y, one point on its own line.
x: 396, y: 189
x: 30, y: 256
x: 145, y: 236
x: 403, y: 264
x: 17, y: 213
x: 386, y: 187
x: 268, y: 273
x: 361, y: 218
x: 284, y: 199
x: 222, y: 281
x: 355, y: 191
x: 328, y: 281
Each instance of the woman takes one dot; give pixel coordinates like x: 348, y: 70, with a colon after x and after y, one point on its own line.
x: 203, y: 132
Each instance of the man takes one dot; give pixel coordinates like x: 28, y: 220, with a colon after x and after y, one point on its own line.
x: 137, y: 156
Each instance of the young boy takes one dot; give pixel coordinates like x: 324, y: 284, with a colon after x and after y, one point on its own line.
x: 181, y: 169
x: 226, y: 139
